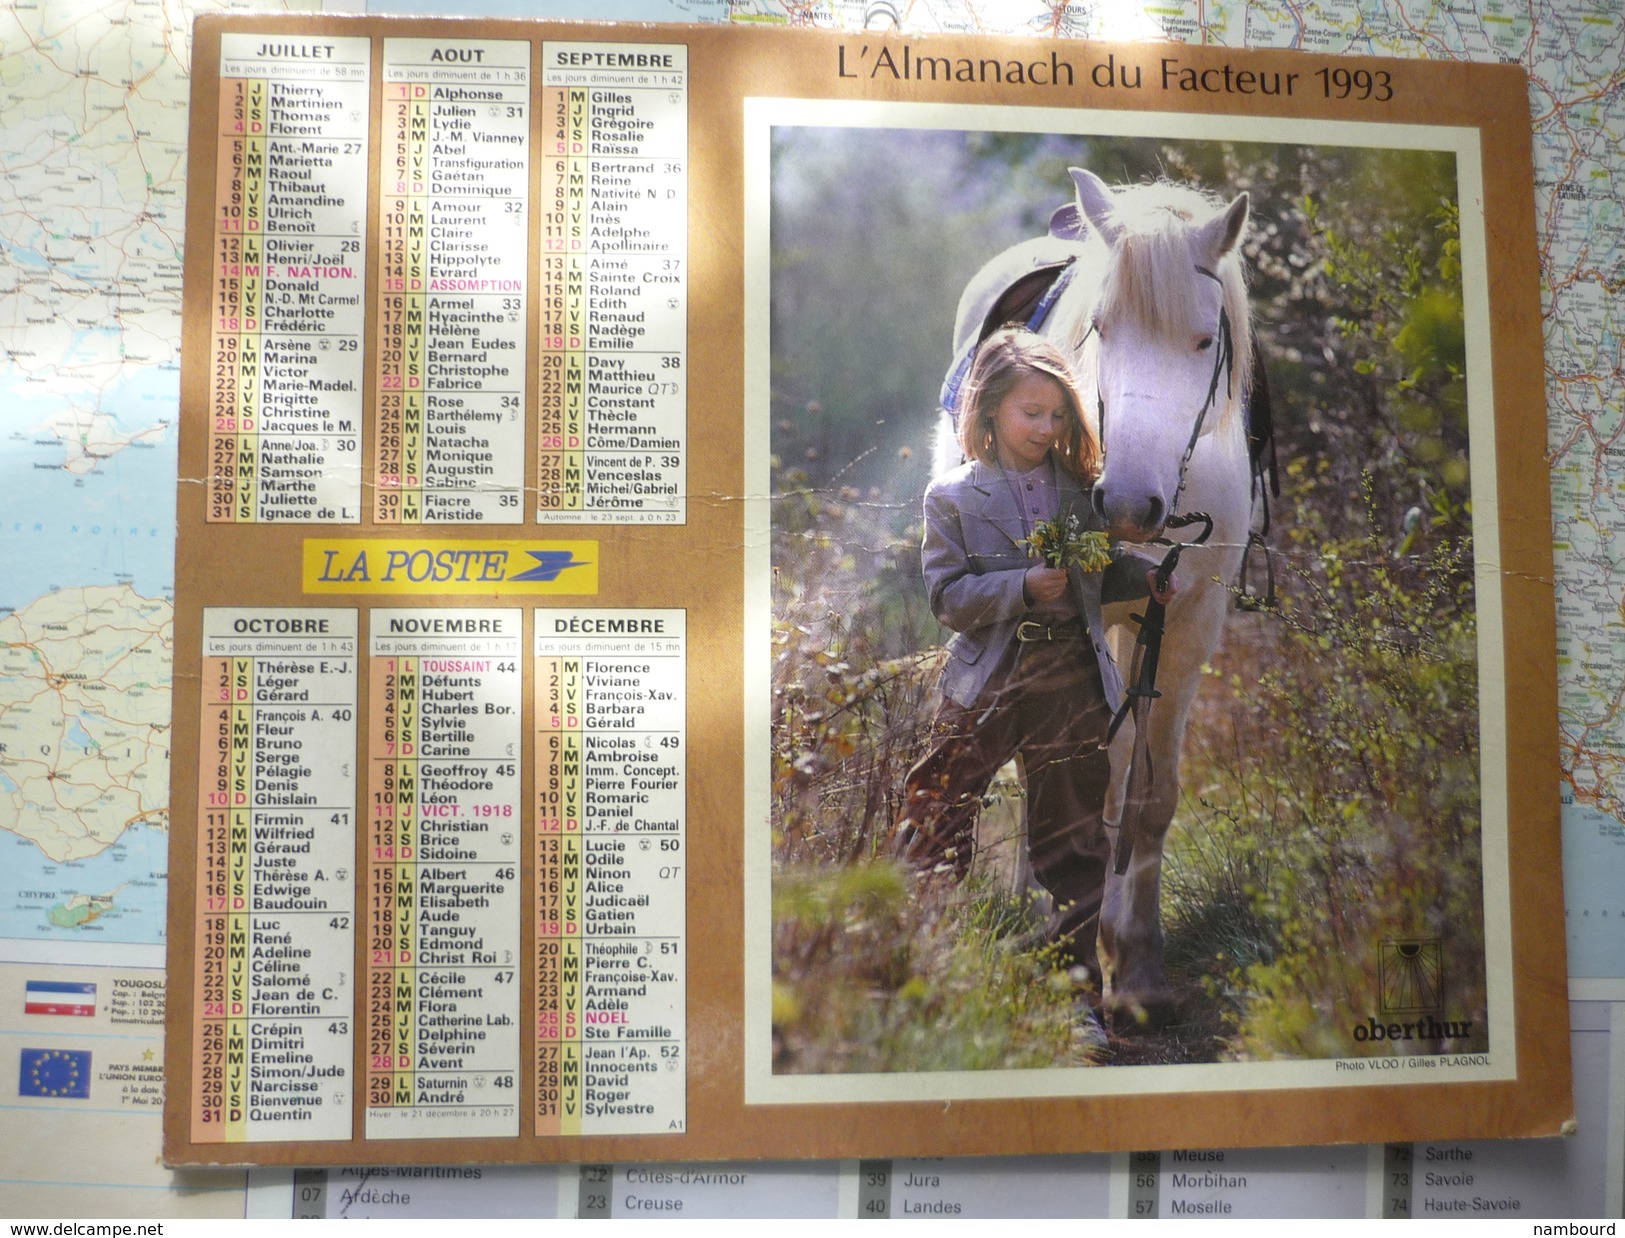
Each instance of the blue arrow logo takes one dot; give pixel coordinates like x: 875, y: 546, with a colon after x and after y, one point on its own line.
x: 549, y: 563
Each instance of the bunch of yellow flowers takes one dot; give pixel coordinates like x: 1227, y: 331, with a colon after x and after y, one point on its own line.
x: 1060, y: 543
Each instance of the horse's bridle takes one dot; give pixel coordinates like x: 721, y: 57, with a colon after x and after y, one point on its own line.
x: 1141, y: 688
x: 1223, y: 362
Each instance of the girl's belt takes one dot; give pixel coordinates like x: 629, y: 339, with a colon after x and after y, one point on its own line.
x: 1060, y: 629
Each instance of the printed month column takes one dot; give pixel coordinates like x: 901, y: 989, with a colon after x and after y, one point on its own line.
x: 443, y: 890
x: 612, y: 402
x: 610, y: 862
x: 289, y: 243
x: 455, y: 194
x: 234, y: 323
x: 271, y: 1037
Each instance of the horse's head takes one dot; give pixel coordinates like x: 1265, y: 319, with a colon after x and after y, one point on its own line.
x: 1170, y: 337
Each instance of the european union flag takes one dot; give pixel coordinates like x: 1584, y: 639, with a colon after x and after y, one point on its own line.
x: 54, y: 1072
x: 549, y: 564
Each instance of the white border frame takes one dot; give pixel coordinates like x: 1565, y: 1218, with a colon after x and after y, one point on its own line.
x: 762, y: 1086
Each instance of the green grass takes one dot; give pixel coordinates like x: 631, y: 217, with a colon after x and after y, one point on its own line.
x: 876, y: 969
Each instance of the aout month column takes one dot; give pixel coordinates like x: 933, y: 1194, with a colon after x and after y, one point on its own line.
x: 453, y: 243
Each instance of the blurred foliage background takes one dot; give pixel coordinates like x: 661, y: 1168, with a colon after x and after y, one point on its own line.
x: 1331, y: 783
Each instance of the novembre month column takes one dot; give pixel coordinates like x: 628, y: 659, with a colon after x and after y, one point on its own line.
x: 610, y: 858
x: 275, y: 896
x: 443, y: 891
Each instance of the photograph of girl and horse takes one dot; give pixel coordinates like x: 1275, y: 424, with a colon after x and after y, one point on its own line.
x: 1254, y: 351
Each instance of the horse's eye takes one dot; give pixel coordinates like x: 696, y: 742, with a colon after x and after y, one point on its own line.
x: 1205, y: 343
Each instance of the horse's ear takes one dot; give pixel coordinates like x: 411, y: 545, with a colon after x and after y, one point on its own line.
x: 1095, y: 200
x: 1221, y: 233
x: 1068, y: 224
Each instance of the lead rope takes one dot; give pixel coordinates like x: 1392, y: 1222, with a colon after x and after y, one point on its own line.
x: 1266, y: 482
x: 1142, y: 688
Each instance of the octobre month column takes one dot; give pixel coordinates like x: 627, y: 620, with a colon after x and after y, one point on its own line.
x: 275, y: 895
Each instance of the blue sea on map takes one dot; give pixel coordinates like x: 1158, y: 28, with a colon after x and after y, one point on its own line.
x: 1592, y: 855
x: 131, y: 873
x: 116, y: 523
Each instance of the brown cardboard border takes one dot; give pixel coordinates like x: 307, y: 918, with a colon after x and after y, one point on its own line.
x: 698, y: 567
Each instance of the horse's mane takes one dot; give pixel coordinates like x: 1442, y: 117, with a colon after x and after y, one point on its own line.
x: 1148, y: 277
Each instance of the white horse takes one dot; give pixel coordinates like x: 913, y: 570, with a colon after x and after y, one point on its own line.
x: 1154, y: 316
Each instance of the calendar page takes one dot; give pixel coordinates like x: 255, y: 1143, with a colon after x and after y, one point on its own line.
x: 765, y: 594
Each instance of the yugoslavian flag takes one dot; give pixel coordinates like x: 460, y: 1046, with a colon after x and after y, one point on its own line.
x: 57, y: 997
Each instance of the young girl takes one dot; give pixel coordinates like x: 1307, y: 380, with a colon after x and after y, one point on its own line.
x: 1028, y: 672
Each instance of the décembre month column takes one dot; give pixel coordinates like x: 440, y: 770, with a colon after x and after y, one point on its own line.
x: 610, y: 872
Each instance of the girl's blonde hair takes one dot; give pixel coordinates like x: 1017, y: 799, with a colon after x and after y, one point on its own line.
x: 1004, y: 359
